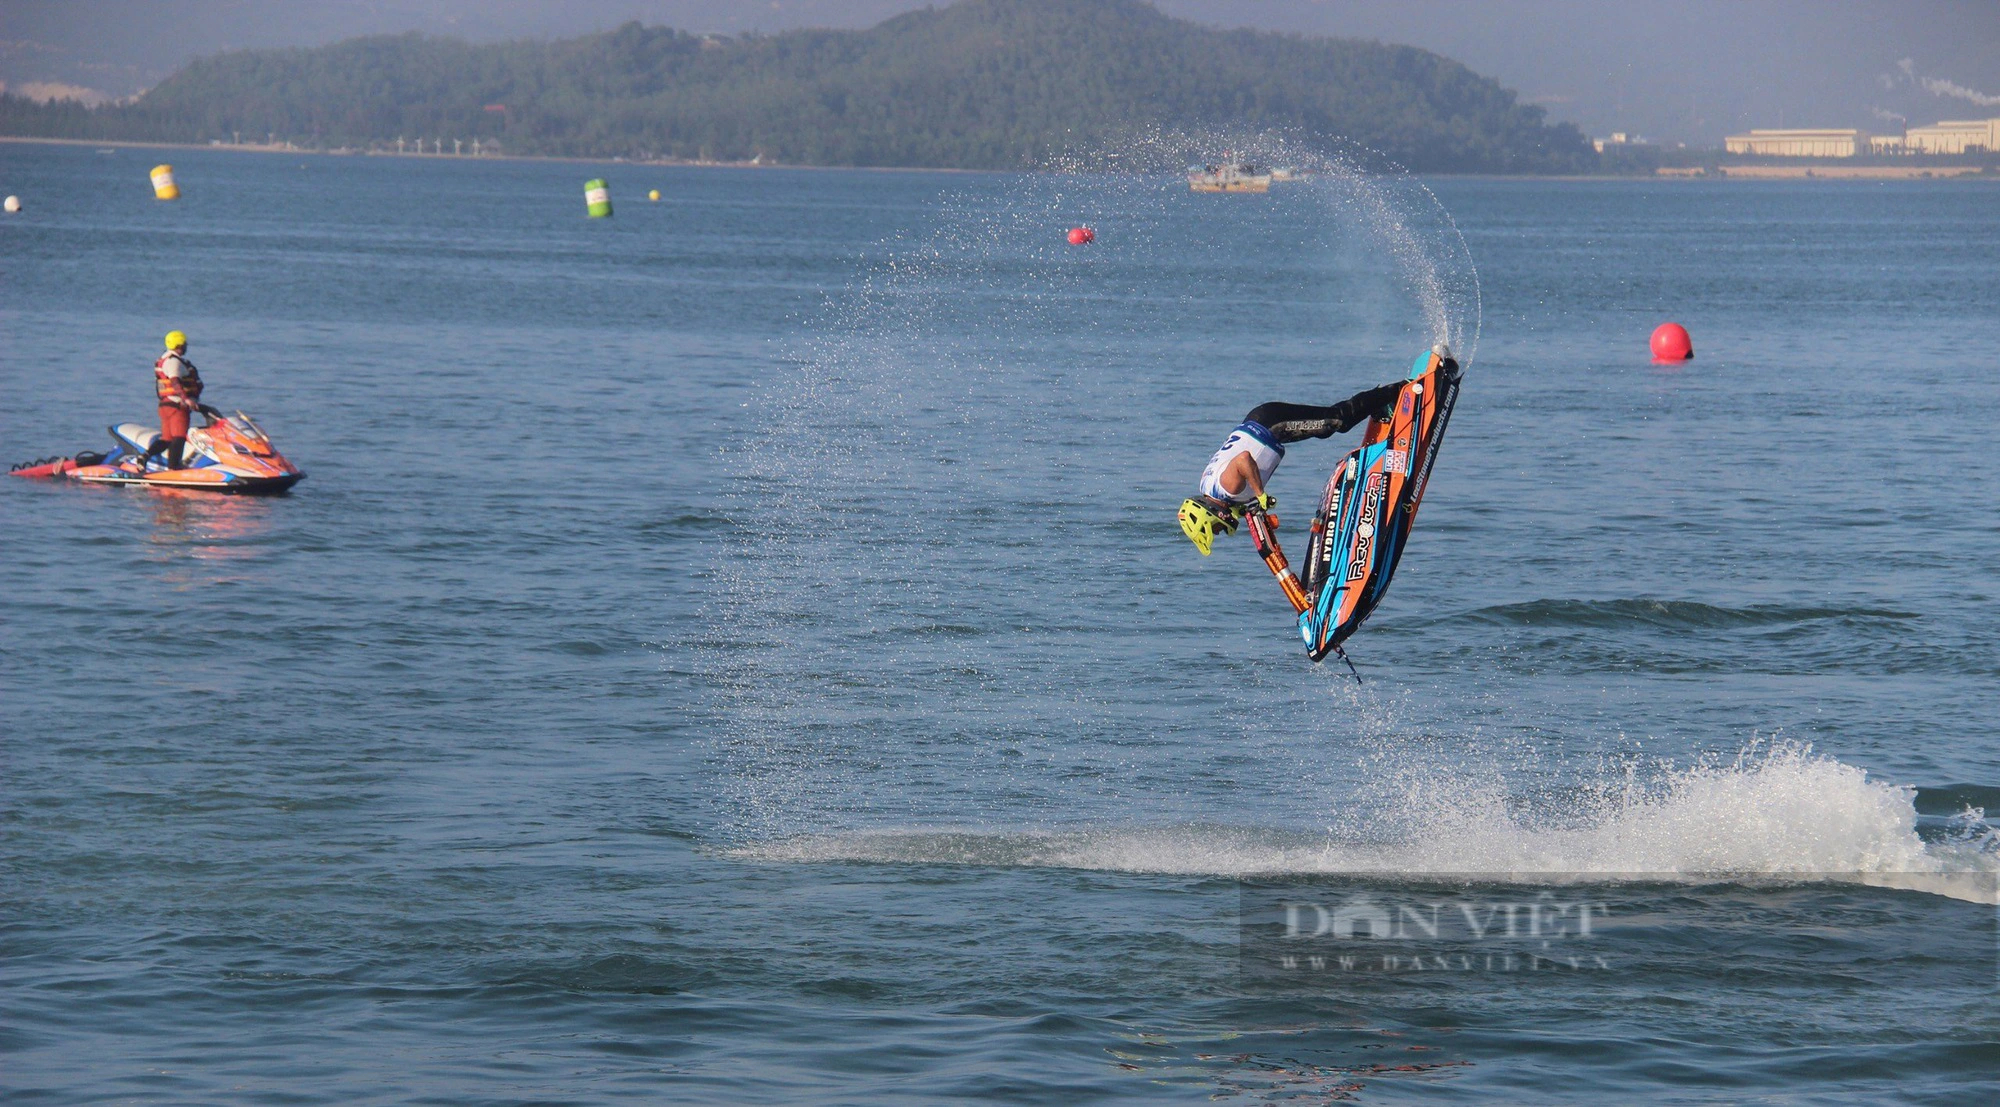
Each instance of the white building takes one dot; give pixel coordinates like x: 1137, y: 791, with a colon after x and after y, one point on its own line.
x: 1800, y: 143
x: 1954, y: 136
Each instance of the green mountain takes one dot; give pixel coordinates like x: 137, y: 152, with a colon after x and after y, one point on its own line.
x: 980, y: 84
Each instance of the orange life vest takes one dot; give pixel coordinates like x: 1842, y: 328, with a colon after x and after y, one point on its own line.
x: 179, y: 389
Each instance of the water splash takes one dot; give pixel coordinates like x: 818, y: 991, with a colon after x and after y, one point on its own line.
x: 1782, y: 812
x: 1362, y: 190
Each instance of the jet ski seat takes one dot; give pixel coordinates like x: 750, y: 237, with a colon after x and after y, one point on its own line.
x: 136, y: 435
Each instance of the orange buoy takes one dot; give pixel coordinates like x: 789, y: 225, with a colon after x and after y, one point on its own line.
x: 1671, y: 343
x: 1081, y: 236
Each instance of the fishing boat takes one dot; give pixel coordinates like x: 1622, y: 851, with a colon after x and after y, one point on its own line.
x: 1230, y: 176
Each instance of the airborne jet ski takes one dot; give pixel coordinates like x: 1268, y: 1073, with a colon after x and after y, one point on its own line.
x: 224, y: 454
x: 1364, y: 517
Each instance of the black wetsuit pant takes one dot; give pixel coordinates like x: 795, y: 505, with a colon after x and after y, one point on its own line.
x: 1293, y: 422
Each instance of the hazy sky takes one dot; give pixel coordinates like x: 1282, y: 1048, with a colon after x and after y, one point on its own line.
x: 1689, y: 70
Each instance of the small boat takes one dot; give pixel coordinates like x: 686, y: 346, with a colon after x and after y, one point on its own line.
x: 224, y: 454
x: 1230, y: 176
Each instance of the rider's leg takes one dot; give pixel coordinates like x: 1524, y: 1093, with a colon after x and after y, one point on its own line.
x: 1293, y: 422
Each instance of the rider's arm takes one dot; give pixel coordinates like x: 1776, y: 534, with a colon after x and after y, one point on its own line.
x: 1242, y: 470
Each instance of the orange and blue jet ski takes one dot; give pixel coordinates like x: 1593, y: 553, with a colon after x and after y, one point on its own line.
x: 225, y: 454
x: 1364, y: 517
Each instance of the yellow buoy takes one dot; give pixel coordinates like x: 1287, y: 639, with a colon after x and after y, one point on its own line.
x: 653, y: 195
x: 163, y: 183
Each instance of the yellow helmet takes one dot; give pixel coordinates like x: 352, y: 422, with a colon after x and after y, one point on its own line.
x: 176, y: 340
x: 1201, y: 523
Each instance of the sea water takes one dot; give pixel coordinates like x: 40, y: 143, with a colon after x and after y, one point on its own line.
x: 742, y: 651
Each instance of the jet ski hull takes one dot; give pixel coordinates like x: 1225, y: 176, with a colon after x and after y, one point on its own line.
x: 229, y: 455
x: 196, y: 480
x: 1364, y: 518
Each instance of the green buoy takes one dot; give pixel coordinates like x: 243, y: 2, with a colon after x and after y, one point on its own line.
x: 597, y: 195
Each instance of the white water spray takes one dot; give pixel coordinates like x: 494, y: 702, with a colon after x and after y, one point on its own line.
x: 1783, y: 813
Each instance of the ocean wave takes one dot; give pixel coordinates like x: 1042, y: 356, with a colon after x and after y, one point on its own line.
x: 1953, y: 799
x: 1668, y: 614
x: 1638, y: 635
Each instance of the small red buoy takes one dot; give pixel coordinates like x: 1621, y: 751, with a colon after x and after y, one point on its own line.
x: 1081, y: 236
x: 1671, y: 343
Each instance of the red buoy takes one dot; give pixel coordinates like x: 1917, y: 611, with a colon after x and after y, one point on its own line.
x: 1081, y: 236
x: 1671, y: 343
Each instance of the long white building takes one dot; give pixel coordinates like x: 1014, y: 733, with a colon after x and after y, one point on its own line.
x: 1799, y: 143
x: 1952, y: 136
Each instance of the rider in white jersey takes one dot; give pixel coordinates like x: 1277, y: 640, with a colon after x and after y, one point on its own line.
x: 1236, y: 476
x: 1253, y: 441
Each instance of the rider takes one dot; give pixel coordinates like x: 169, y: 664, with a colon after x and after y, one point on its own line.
x: 1236, y: 475
x: 179, y: 387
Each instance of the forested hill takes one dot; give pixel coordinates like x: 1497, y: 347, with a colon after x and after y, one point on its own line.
x: 980, y: 84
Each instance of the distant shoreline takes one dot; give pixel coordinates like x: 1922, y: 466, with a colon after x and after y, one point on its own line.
x: 1726, y: 173
x: 664, y: 163
x: 1827, y: 173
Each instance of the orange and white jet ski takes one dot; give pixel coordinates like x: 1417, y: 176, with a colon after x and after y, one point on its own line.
x: 224, y: 454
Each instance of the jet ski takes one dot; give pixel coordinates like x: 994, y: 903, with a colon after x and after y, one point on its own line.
x: 225, y: 454
x: 1364, y: 517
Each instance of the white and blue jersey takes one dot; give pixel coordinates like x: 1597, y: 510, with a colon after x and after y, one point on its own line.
x: 1248, y: 438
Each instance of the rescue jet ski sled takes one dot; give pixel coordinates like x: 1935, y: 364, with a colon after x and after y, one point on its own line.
x: 227, y: 453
